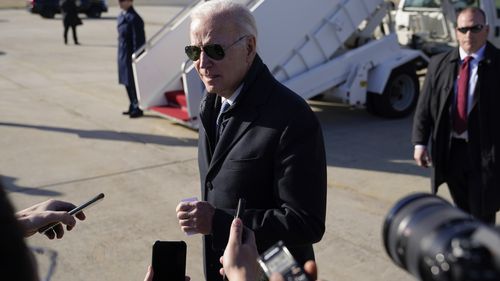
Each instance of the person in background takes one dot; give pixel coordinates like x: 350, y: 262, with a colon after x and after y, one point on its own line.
x: 458, y: 113
x: 258, y: 141
x: 70, y: 19
x: 131, y: 37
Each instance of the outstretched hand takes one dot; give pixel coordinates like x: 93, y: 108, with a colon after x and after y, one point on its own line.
x: 45, y: 213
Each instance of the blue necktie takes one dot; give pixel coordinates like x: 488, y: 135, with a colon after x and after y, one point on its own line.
x: 225, y: 105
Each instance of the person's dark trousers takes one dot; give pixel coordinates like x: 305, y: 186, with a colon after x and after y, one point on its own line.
x: 133, y: 109
x: 73, y: 28
x: 464, y: 181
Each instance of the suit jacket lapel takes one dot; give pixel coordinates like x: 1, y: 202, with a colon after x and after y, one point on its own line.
x: 242, y: 114
x: 207, y: 108
x: 236, y: 127
x: 475, y: 96
x: 121, y: 19
x: 481, y: 72
x: 451, y: 72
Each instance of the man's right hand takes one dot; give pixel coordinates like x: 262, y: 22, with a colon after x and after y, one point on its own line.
x: 195, y: 217
x: 422, y: 157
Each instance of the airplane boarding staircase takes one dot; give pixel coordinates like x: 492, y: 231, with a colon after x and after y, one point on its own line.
x: 311, y: 47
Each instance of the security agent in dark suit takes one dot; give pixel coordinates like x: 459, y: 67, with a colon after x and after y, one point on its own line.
x: 131, y: 37
x: 268, y: 148
x: 461, y: 118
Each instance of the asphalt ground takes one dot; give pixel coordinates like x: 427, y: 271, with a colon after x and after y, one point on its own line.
x: 62, y: 136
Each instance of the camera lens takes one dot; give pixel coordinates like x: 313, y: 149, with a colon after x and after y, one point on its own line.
x: 418, y: 231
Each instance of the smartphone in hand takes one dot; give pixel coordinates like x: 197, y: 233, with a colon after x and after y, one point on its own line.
x: 169, y: 261
x: 75, y: 211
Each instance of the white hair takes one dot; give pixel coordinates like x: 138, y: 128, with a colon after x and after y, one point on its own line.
x: 234, y: 12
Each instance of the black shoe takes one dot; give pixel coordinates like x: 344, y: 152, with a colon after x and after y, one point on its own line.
x: 130, y: 109
x: 136, y: 113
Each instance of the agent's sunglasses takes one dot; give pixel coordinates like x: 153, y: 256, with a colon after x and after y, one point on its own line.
x: 474, y: 29
x: 213, y: 51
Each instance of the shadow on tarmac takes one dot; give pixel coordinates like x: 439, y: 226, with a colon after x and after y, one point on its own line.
x: 101, y: 18
x: 357, y: 139
x: 111, y: 135
x: 97, y: 45
x: 10, y: 186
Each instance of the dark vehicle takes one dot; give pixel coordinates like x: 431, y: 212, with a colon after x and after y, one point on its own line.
x: 48, y: 8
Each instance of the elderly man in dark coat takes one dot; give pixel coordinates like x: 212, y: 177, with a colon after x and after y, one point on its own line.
x: 258, y: 141
x: 131, y: 37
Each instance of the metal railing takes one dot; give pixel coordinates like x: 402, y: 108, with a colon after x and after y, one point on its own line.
x: 150, y: 43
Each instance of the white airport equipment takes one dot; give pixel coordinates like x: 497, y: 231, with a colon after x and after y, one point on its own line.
x: 430, y: 25
x: 330, y: 47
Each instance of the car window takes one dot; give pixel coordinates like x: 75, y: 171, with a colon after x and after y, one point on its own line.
x: 422, y: 4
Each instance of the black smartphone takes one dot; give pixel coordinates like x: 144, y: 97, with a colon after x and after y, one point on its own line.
x: 169, y: 261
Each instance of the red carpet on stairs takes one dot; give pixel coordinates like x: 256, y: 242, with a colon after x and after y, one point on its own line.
x: 176, y: 106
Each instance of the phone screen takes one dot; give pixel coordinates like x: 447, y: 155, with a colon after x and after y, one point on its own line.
x: 169, y: 261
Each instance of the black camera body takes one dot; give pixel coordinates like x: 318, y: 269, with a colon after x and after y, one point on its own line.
x: 432, y: 240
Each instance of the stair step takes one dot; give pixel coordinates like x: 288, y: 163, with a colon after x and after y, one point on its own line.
x: 172, y: 112
x: 176, y: 98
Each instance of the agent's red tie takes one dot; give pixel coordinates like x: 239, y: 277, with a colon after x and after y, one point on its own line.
x: 460, y: 118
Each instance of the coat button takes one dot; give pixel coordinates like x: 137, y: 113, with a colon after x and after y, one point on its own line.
x: 209, y: 185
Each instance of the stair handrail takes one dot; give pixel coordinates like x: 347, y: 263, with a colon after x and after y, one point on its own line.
x: 169, y: 24
x: 251, y: 3
x: 149, y: 43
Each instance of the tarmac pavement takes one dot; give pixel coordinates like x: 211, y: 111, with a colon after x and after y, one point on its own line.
x: 63, y: 136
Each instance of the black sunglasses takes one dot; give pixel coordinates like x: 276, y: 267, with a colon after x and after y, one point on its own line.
x: 474, y: 29
x: 213, y: 51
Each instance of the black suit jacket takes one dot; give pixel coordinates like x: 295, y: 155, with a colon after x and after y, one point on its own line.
x: 432, y: 120
x: 131, y: 37
x: 271, y: 153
